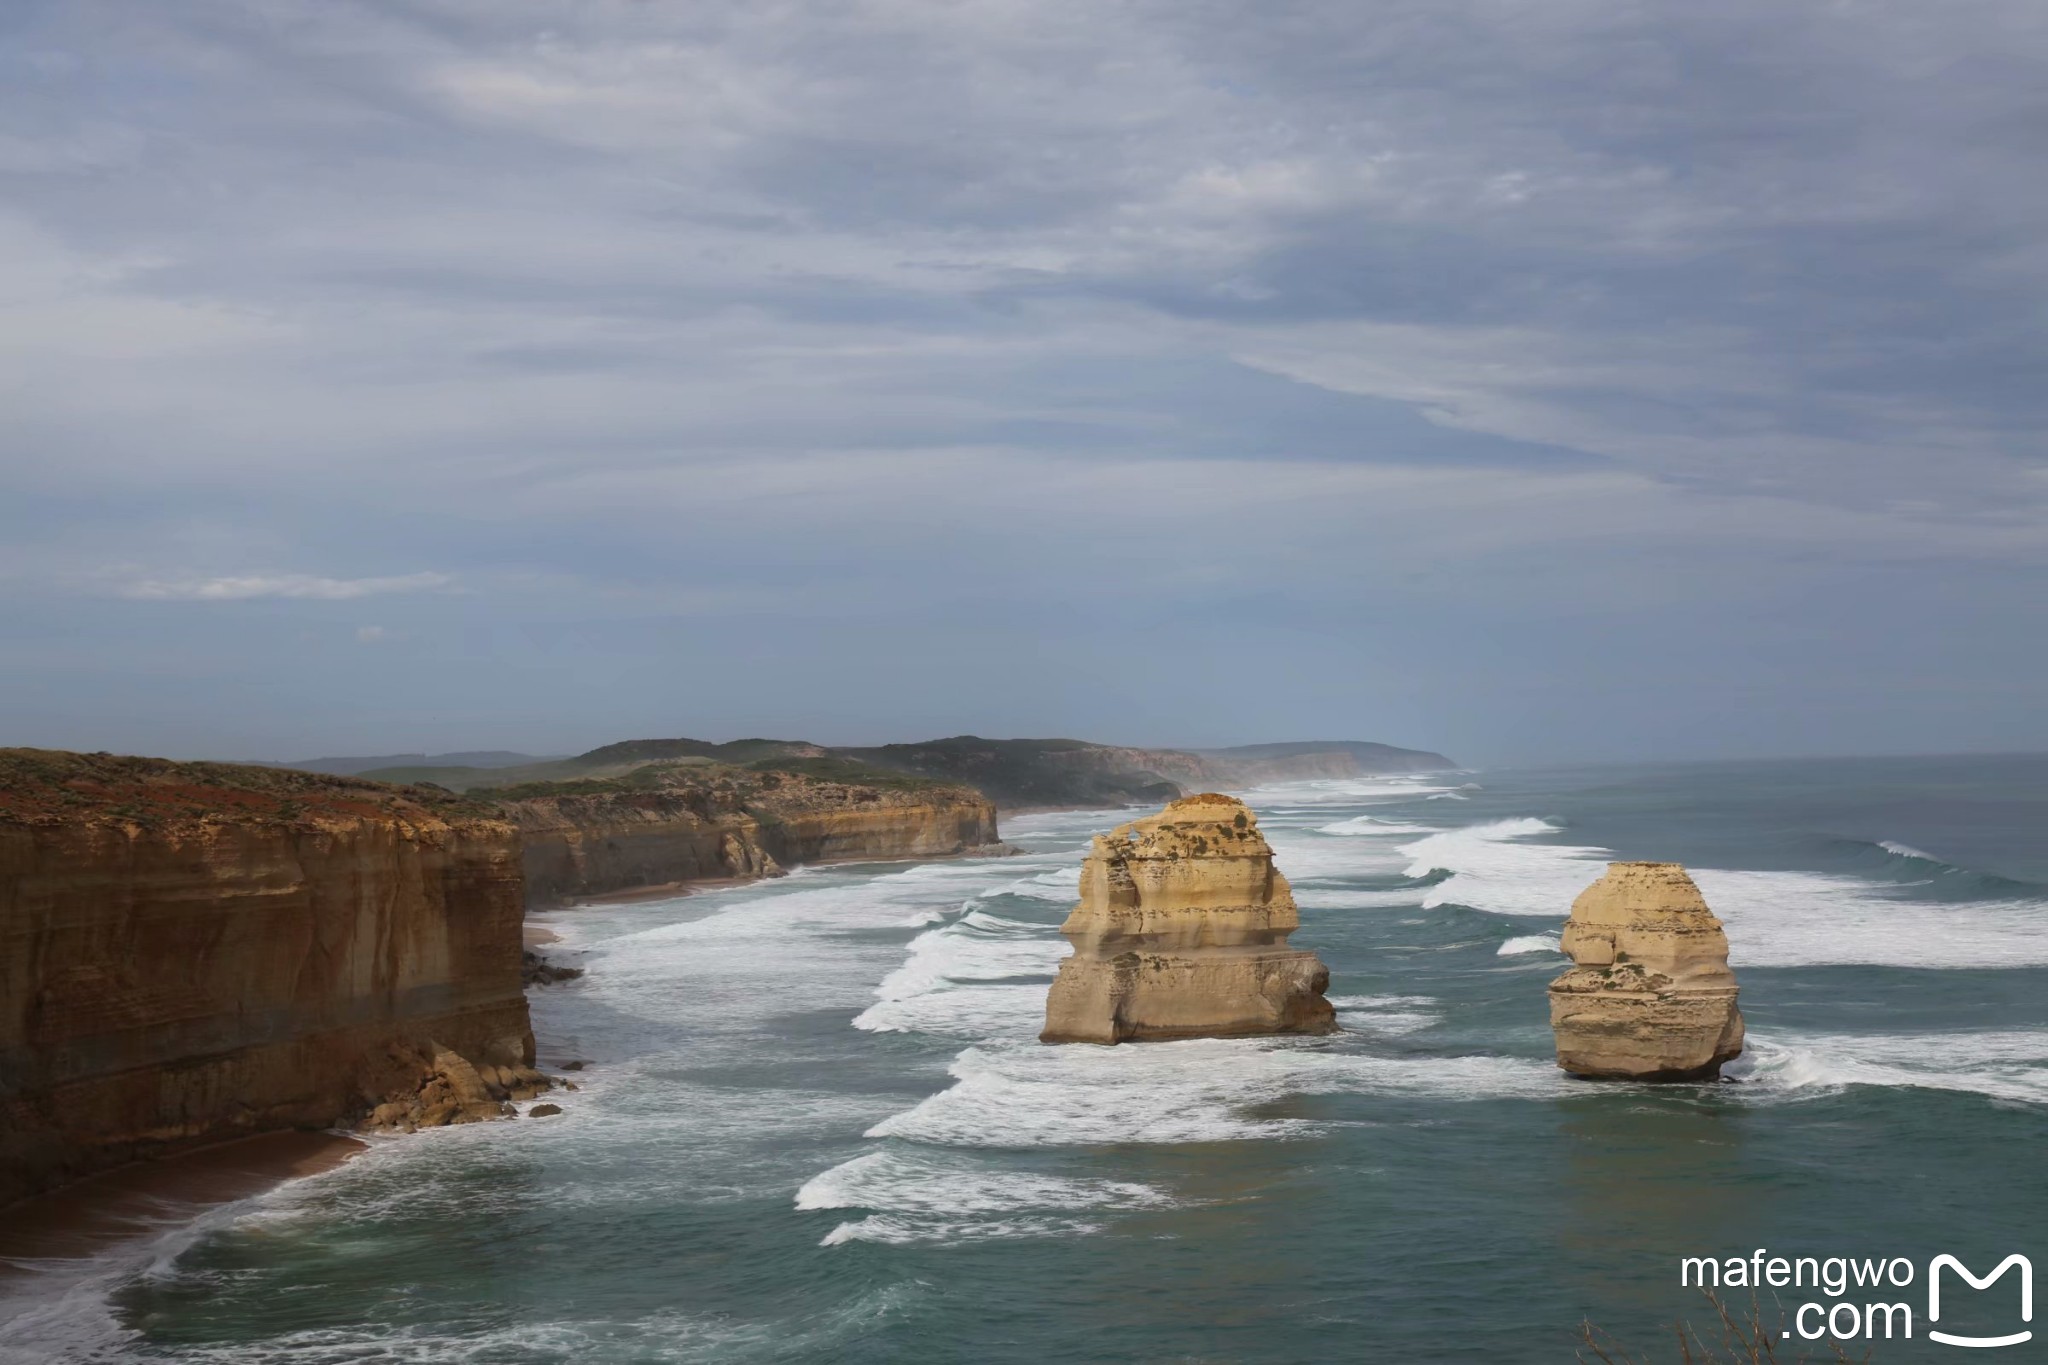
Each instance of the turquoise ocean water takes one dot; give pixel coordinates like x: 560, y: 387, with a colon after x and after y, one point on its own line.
x: 816, y: 1124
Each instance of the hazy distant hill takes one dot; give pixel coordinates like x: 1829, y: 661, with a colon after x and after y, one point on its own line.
x: 1385, y: 758
x: 1014, y: 773
x: 1070, y: 772
x: 1022, y: 773
x: 356, y: 767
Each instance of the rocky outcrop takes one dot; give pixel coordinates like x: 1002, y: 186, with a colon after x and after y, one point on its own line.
x: 667, y: 824
x: 451, y: 1089
x: 191, y: 952
x: 1650, y: 996
x: 1182, y: 933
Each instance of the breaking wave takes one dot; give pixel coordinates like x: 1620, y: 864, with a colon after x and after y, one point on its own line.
x: 2007, y: 1065
x: 1774, y: 918
x: 1530, y: 943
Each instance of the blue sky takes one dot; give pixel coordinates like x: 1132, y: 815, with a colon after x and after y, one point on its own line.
x: 1527, y: 379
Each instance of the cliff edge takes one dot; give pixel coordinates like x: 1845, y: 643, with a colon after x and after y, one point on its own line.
x: 1182, y: 933
x: 671, y: 822
x: 196, y: 951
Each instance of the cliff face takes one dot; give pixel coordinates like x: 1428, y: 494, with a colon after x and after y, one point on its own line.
x: 191, y: 952
x: 667, y: 824
x: 589, y: 845
x: 936, y: 827
x: 1650, y: 996
x: 1182, y: 933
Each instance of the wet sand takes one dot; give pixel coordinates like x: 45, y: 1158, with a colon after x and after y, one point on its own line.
x: 660, y: 891
x: 97, y: 1213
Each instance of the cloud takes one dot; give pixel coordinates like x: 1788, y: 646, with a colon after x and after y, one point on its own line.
x: 248, y: 587
x: 1471, y: 318
x: 369, y: 635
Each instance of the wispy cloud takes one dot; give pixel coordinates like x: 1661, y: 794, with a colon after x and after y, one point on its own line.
x: 1472, y: 325
x: 247, y: 587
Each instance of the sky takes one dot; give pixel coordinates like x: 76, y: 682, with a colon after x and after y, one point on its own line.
x: 1529, y: 380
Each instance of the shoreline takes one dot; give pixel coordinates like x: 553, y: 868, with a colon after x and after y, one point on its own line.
x: 668, y: 890
x: 55, y: 1240
x: 70, y: 1226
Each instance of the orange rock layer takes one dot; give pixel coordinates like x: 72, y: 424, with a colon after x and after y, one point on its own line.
x: 589, y: 844
x: 190, y: 952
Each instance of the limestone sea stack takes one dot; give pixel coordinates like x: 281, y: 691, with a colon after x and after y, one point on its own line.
x: 1650, y: 996
x: 1182, y: 933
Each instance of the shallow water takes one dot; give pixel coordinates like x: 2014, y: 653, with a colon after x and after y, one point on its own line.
x: 817, y: 1126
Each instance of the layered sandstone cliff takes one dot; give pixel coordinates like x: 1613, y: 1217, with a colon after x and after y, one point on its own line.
x: 664, y: 824
x: 1182, y: 933
x: 191, y: 952
x: 1650, y: 996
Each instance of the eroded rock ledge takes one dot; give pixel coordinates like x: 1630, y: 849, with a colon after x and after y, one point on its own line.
x: 1650, y: 996
x: 1182, y: 933
x: 450, y: 1089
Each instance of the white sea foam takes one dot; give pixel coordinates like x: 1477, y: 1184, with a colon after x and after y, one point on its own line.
x: 1530, y: 943
x: 1790, y: 919
x: 1492, y: 867
x: 1057, y: 884
x: 1367, y: 825
x: 960, y: 1012
x: 940, y: 986
x: 1349, y: 791
x: 1387, y: 1013
x: 2004, y: 1065
x: 1906, y: 851
x: 662, y: 1336
x: 1775, y: 919
x: 1314, y: 897
x: 924, y: 1181
x: 890, y: 1230
x: 1202, y: 1090
x: 1307, y: 856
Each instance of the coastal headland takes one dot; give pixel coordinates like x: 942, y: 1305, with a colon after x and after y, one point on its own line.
x: 193, y: 953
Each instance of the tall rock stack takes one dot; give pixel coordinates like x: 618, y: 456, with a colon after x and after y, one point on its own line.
x: 1650, y: 996
x: 1182, y: 933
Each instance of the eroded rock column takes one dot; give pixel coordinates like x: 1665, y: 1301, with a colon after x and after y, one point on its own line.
x: 1182, y: 933
x: 1650, y: 996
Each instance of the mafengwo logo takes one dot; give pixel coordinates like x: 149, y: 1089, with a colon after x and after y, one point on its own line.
x: 1848, y: 1319
x: 1947, y: 1262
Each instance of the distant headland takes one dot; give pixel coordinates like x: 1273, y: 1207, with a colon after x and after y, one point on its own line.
x: 1016, y: 774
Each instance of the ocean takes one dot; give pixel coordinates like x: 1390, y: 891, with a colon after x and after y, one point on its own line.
x: 815, y: 1123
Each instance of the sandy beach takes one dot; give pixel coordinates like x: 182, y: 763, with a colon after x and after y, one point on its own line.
x: 93, y: 1215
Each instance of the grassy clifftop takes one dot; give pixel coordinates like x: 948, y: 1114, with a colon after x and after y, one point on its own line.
x: 49, y: 785
x: 769, y: 787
